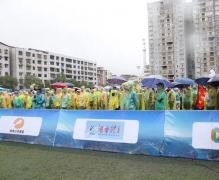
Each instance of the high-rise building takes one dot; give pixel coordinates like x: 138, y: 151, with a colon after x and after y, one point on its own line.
x: 18, y: 62
x: 206, y: 25
x: 170, y: 31
x: 103, y: 75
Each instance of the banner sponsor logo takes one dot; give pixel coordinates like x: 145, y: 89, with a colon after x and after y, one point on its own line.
x: 215, y: 135
x: 205, y: 135
x: 20, y: 125
x: 107, y: 130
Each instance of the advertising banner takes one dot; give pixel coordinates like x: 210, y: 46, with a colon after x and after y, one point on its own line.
x: 192, y: 134
x: 28, y: 126
x: 133, y: 132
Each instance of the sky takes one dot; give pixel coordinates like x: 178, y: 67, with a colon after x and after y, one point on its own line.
x: 109, y: 32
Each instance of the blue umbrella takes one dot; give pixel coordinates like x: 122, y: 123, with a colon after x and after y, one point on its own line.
x: 116, y: 80
x: 70, y: 85
x: 185, y: 81
x: 202, y: 80
x: 152, y: 81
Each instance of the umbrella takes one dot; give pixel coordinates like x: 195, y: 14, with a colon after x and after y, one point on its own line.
x: 108, y: 87
x: 59, y: 85
x: 69, y: 84
x: 76, y: 88
x: 185, y: 81
x: 152, y: 81
x: 214, y: 78
x: 202, y: 80
x: 116, y: 80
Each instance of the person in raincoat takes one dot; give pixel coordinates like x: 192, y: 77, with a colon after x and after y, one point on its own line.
x: 140, y: 94
x: 171, y: 99
x: 132, y: 101
x: 114, y: 100
x: 83, y: 98
x: 97, y: 93
x: 58, y: 99
x: 92, y: 101
x: 149, y: 99
x: 73, y: 99
x: 5, y: 101
x: 66, y: 99
x: 38, y: 99
x: 17, y: 101
x: 194, y: 95
x: 187, y: 98
x: 211, y: 98
x: 12, y: 98
x: 102, y: 100
x: 77, y: 96
x: 177, y: 92
x: 23, y: 97
x: 10, y: 101
x: 124, y: 95
x: 160, y: 97
x: 1, y: 100
x: 49, y: 100
x: 29, y: 101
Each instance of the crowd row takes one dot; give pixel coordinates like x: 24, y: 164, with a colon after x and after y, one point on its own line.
x: 131, y: 96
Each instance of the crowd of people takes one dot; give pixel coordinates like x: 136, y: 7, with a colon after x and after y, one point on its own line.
x: 130, y: 96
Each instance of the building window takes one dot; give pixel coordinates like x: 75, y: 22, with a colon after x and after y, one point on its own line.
x: 51, y: 57
x: 78, y: 67
x: 45, y: 63
x: 33, y: 61
x: 68, y: 60
x: 74, y: 66
x: 57, y: 64
x: 45, y: 69
x: 62, y: 64
x: 51, y: 63
x: 39, y: 56
x: 57, y: 58
x: 20, y: 53
x: 6, y: 58
x: 62, y: 58
x: 45, y: 75
x: 6, y: 65
x: 62, y: 70
x: 45, y: 57
x: 39, y: 75
x: 33, y: 68
x: 39, y: 62
x: 20, y: 73
x: 6, y: 73
x: 33, y: 55
x: 27, y: 53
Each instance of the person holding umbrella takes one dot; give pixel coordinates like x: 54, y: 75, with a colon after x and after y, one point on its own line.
x: 160, y: 97
x: 171, y: 99
x: 149, y: 99
x: 187, y: 98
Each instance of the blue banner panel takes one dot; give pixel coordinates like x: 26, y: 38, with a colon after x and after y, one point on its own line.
x: 132, y: 132
x: 28, y: 126
x: 192, y: 134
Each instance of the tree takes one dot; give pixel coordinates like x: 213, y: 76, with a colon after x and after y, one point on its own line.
x: 47, y: 84
x: 32, y: 79
x: 8, y: 82
x: 73, y: 81
x: 61, y: 78
x: 90, y: 85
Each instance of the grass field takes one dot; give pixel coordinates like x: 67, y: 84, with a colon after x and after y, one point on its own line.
x: 24, y: 161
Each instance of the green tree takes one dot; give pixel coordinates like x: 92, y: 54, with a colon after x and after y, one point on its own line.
x: 73, y: 81
x: 32, y: 79
x: 90, y: 85
x: 61, y: 78
x: 8, y: 82
x: 47, y: 84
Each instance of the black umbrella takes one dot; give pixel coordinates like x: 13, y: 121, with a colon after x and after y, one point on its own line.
x: 202, y: 80
x: 69, y: 84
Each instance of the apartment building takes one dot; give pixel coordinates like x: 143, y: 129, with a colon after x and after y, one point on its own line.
x: 103, y: 75
x: 206, y: 25
x: 46, y: 65
x: 4, y: 59
x: 170, y: 26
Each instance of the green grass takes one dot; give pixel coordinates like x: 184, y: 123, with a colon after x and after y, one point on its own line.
x: 24, y: 161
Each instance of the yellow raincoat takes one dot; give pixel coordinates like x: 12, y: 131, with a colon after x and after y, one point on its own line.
x: 149, y: 99
x: 10, y: 102
x: 114, y: 100
x: 29, y: 101
x: 171, y: 100
x: 92, y: 101
x: 73, y: 95
x: 102, y: 100
x: 58, y: 98
x: 138, y: 90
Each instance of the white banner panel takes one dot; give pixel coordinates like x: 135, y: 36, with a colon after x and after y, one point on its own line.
x: 107, y: 130
x: 20, y: 125
x: 205, y: 135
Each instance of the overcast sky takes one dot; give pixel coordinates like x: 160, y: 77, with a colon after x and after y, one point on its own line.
x: 109, y: 32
